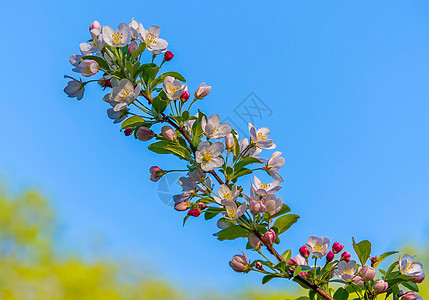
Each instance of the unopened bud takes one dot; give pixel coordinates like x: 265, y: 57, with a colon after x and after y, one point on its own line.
x: 367, y: 273
x: 133, y: 46
x: 304, y: 251
x: 202, y: 91
x: 380, y: 286
x: 418, y: 278
x: 156, y: 173
x: 330, y: 256
x: 128, y: 131
x: 410, y: 296
x: 144, y: 134
x: 269, y: 237
x: 256, y: 207
x: 358, y: 281
x: 168, y: 133
x: 258, y: 266
x: 346, y: 256
x: 304, y: 274
x: 201, y: 205
x: 337, y: 247
x: 104, y: 82
x: 95, y: 25
x: 229, y: 142
x: 168, y: 56
x: 239, y: 263
x: 182, y: 206
x: 185, y: 96
x: 373, y: 260
x: 254, y: 241
x: 194, y: 212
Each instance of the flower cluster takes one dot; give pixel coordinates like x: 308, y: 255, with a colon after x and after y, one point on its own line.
x: 154, y: 107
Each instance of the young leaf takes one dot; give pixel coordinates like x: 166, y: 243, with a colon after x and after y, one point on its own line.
x: 382, y: 257
x: 363, y: 250
x: 132, y: 122
x: 286, y: 255
x: 164, y: 147
x: 341, y: 294
x: 411, y: 286
x: 283, y: 223
x: 232, y: 232
x: 246, y: 161
x: 267, y: 278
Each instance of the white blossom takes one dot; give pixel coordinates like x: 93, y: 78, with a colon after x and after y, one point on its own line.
x: 260, y: 137
x: 264, y: 189
x: 346, y: 271
x: 232, y: 210
x: 123, y: 93
x: 213, y: 128
x: 74, y: 88
x: 224, y: 192
x: 151, y: 38
x: 272, y: 204
x: 173, y: 87
x: 273, y: 164
x: 318, y: 246
x: 119, y: 38
x: 208, y: 155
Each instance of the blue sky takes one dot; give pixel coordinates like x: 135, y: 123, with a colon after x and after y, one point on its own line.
x: 346, y: 83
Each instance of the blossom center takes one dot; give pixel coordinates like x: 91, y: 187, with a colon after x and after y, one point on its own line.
x: 231, y: 212
x: 227, y: 195
x: 318, y: 247
x: 408, y: 267
x: 348, y: 271
x: 260, y: 137
x: 207, y: 157
x: 117, y: 37
x: 150, y: 38
x: 125, y: 93
x: 263, y: 185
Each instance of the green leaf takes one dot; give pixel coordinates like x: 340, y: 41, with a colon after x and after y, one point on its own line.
x: 240, y: 173
x: 160, y: 102
x: 341, y: 294
x: 363, y: 250
x: 212, y: 212
x: 139, y: 50
x: 382, y: 257
x: 132, y: 122
x: 303, y: 298
x: 285, y: 209
x: 246, y: 161
x: 101, y: 62
x: 391, y: 268
x: 161, y: 78
x: 286, y: 255
x: 283, y: 223
x: 267, y: 278
x: 164, y: 147
x: 411, y: 286
x: 148, y: 72
x: 232, y: 232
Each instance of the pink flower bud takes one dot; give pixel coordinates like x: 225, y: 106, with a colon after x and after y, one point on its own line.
x: 410, y: 296
x: 299, y: 260
x: 132, y: 47
x: 330, y: 256
x: 168, y: 133
x: 380, y: 286
x: 194, y: 212
x: 346, y: 256
x: 185, y: 96
x: 269, y: 237
x: 95, y: 25
x: 239, y: 263
x: 144, y: 134
x: 201, y: 205
x: 258, y: 266
x: 254, y: 241
x: 156, y: 173
x: 358, y: 281
x: 168, y: 56
x: 304, y: 251
x: 128, y: 131
x: 229, y: 141
x: 304, y: 274
x: 367, y: 273
x: 182, y: 206
x: 202, y: 91
x: 87, y: 67
x: 418, y: 278
x: 256, y: 207
x: 337, y: 247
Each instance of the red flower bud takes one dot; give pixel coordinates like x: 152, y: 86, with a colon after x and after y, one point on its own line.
x: 330, y: 256
x: 269, y: 237
x: 128, y: 131
x: 373, y: 260
x: 337, y: 247
x: 304, y: 251
x: 194, y: 212
x: 304, y: 274
x: 185, y: 96
x: 168, y: 56
x: 346, y: 256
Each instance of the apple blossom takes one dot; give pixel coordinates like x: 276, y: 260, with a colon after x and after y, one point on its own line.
x: 194, y: 212
x: 256, y: 207
x: 74, y: 88
x: 272, y: 204
x: 225, y: 192
x: 254, y: 241
x: 240, y: 263
x: 346, y: 270
x: 330, y: 256
x: 299, y: 260
x: 318, y: 246
x: 410, y: 268
x: 117, y: 116
x: 75, y: 59
x: 380, y: 286
x: 168, y: 56
x: 144, y: 134
x: 337, y: 247
x: 304, y: 251
x: 367, y: 273
x: 233, y: 211
x: 119, y: 38
x: 173, y: 87
x: 264, y: 189
x: 358, y: 281
x: 202, y: 91
x: 213, y: 128
x: 260, y: 137
x: 269, y: 237
x: 87, y: 67
x: 150, y: 36
x: 346, y: 256
x: 229, y: 142
x: 208, y: 155
x: 169, y: 133
x: 249, y: 150
x: 273, y: 164
x: 134, y: 29
x: 123, y: 93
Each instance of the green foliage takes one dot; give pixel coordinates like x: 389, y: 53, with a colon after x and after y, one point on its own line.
x: 233, y: 232
x: 285, y: 222
x: 363, y: 250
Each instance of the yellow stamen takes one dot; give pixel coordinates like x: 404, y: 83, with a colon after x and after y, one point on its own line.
x: 117, y: 37
x: 260, y: 137
x: 207, y: 157
x: 231, y: 212
x: 318, y: 247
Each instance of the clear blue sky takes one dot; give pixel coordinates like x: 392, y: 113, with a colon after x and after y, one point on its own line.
x: 347, y: 82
